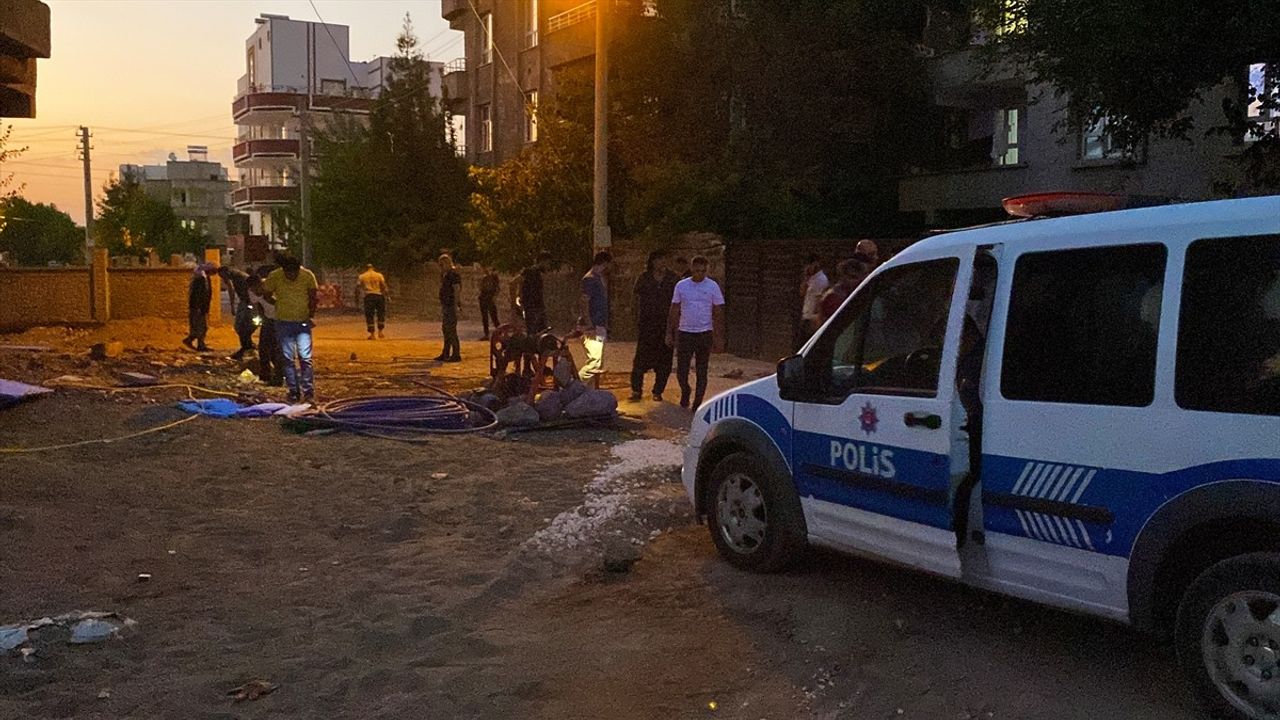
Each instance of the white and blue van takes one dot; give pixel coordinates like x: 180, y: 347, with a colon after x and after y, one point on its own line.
x: 1083, y: 411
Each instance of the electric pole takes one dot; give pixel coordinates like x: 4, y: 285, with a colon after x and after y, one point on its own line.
x: 600, y: 235
x: 88, y: 190
x: 304, y: 183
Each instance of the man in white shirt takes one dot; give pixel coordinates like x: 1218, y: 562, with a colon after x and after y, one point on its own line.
x: 814, y: 285
x: 695, y: 327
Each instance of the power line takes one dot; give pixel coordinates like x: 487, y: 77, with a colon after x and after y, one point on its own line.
x: 496, y: 50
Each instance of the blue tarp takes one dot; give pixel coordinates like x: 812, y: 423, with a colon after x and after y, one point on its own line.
x: 13, y: 392
x: 224, y: 408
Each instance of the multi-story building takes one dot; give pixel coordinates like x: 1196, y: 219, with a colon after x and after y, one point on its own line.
x: 513, y: 50
x: 1001, y: 136
x: 298, y: 79
x: 24, y: 36
x: 198, y: 190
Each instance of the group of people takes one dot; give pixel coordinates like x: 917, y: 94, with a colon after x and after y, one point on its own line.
x: 280, y: 299
x: 821, y: 297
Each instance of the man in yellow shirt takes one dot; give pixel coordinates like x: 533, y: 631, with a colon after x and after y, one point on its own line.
x: 292, y: 288
x: 374, y: 287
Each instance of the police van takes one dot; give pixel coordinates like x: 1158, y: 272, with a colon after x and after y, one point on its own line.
x: 1083, y: 411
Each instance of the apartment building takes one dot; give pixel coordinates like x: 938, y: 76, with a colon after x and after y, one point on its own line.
x: 513, y: 50
x: 298, y: 78
x: 24, y: 36
x: 1001, y: 136
x: 197, y: 189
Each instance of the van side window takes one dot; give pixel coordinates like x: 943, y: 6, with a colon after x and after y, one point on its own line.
x: 1083, y: 325
x: 888, y: 338
x: 1229, y: 328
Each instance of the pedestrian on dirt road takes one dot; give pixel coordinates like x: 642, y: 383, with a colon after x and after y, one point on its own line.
x: 695, y: 327
x: 199, y: 299
x: 450, y: 306
x: 490, y: 283
x: 374, y: 287
x: 850, y: 275
x: 293, y: 289
x: 270, y: 353
x: 813, y: 286
x: 594, y: 317
x: 237, y: 282
x: 681, y: 268
x: 869, y: 253
x: 654, y: 290
x: 529, y: 297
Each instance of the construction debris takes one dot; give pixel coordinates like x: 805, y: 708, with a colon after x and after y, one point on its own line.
x: 105, y: 350
x: 13, y: 392
x: 137, y: 379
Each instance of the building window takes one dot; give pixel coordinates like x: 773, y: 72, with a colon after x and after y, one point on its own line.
x: 1229, y: 328
x: 251, y: 60
x: 531, y: 116
x: 1264, y: 99
x: 1082, y: 326
x: 1096, y: 142
x: 649, y: 8
x: 486, y: 41
x: 1007, y: 144
x: 1012, y: 20
x: 458, y: 133
x: 485, y: 128
x: 530, y: 23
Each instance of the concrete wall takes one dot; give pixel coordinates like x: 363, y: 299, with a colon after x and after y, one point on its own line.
x: 149, y: 292
x: 44, y: 296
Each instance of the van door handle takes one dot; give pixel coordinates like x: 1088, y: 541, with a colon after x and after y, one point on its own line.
x: 928, y: 421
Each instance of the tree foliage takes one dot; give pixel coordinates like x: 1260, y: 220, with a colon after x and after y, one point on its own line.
x: 131, y: 222
x: 38, y: 234
x: 1143, y: 65
x: 394, y: 193
x: 541, y: 199
x: 7, y: 153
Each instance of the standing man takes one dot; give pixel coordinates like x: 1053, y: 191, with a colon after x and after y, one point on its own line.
x: 293, y: 289
x: 811, y: 289
x: 241, y: 307
x: 869, y: 253
x: 595, y: 316
x: 529, y: 296
x: 653, y: 302
x: 490, y: 283
x: 450, y: 305
x: 199, y: 298
x: 270, y: 354
x: 681, y: 269
x: 374, y: 287
x: 851, y: 273
x: 697, y: 315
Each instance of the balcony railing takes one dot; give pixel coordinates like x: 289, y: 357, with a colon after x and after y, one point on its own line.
x: 250, y: 148
x: 455, y: 65
x: 252, y: 195
x: 572, y: 16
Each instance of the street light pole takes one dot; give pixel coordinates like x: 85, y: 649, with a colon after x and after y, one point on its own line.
x: 600, y: 234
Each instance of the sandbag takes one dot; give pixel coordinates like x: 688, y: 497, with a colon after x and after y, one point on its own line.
x: 592, y: 403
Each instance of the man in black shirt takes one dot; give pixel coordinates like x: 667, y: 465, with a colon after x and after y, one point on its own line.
x: 529, y: 296
x: 653, y: 303
x: 199, y: 299
x: 241, y: 307
x: 450, y: 304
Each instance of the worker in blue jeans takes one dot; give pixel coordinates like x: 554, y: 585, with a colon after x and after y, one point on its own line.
x: 293, y: 290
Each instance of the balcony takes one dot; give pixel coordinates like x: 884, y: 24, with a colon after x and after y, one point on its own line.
x: 249, y: 153
x: 455, y: 80
x: 453, y: 9
x: 262, y: 197
x: 277, y: 104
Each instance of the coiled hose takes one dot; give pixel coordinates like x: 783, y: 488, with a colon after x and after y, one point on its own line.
x: 400, y: 417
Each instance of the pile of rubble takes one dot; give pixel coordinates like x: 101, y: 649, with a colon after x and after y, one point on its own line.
x: 571, y: 399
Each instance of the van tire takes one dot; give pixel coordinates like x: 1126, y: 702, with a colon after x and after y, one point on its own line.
x: 1253, y: 578
x: 756, y: 522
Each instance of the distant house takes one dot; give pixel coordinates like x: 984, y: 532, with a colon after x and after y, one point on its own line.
x: 198, y: 190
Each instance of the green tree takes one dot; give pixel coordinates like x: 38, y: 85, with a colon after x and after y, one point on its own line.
x: 1142, y: 65
x: 37, y: 234
x: 7, y: 153
x: 395, y: 193
x: 541, y: 199
x: 131, y: 222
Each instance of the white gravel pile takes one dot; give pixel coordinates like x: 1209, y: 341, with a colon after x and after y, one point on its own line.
x: 608, y: 495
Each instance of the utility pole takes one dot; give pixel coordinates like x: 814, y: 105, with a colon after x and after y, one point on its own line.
x: 600, y: 234
x: 88, y: 190
x: 304, y: 182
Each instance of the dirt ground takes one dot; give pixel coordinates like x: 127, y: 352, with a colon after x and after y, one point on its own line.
x: 542, y: 575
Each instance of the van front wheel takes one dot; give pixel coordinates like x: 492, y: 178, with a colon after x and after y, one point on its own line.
x: 1228, y: 636
x: 754, y: 517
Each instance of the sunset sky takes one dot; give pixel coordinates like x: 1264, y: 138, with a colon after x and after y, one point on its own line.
x: 150, y: 77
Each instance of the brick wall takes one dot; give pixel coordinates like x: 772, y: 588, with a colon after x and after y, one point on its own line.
x: 44, y: 296
x: 149, y: 292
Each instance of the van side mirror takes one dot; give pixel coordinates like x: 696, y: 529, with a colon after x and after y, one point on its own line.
x: 792, y: 379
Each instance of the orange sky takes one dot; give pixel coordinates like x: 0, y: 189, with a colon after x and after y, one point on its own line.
x: 150, y: 77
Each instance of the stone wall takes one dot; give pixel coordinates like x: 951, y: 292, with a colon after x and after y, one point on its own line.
x: 159, y: 292
x: 45, y: 296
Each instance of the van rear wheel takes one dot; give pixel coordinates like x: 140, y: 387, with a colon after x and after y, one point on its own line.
x: 1228, y: 636
x: 754, y: 517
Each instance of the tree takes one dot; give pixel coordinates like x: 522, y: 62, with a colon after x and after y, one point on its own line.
x: 37, y: 234
x: 541, y: 199
x: 131, y: 222
x: 1142, y: 65
x: 395, y: 193
x: 7, y: 153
